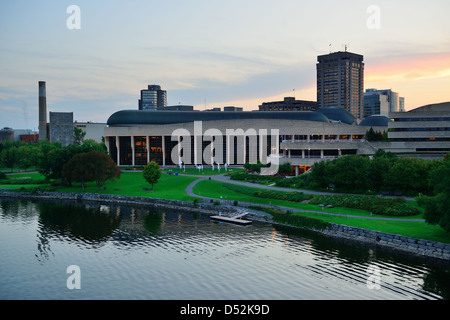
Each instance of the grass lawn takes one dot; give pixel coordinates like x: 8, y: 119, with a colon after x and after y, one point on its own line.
x: 130, y: 184
x: 419, y: 230
x: 25, y: 180
x: 173, y: 187
x: 133, y: 184
x: 215, y: 189
x: 206, y: 171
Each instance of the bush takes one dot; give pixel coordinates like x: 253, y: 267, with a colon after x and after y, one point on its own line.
x: 298, y: 182
x: 244, y: 176
x: 270, y: 194
x: 3, y: 176
x: 376, y: 205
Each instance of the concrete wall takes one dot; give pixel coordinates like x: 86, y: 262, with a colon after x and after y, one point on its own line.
x: 94, y: 131
x: 397, y: 242
x: 61, y: 127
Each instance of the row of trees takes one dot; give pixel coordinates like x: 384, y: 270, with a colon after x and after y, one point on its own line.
x: 437, y: 205
x: 82, y: 162
x: 283, y: 169
x: 384, y: 172
x: 427, y: 179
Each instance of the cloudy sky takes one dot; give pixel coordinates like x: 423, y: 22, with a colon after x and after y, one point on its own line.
x: 210, y: 53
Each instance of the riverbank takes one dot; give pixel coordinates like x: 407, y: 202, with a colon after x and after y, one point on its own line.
x: 378, y: 240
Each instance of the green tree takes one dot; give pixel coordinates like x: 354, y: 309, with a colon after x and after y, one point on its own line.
x: 53, y: 157
x: 104, y: 168
x: 90, y: 166
x: 285, y: 168
x: 78, y: 169
x: 152, y: 173
x: 350, y: 173
x: 409, y: 175
x: 437, y: 207
x: 28, y: 156
x: 78, y: 136
x: 10, y: 157
x: 318, y: 175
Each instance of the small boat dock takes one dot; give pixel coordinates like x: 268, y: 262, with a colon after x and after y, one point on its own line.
x: 236, y: 219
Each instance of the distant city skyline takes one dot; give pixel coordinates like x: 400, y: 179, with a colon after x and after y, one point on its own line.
x: 209, y: 54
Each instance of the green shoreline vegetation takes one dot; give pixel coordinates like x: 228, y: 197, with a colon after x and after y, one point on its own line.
x: 415, y: 229
x: 172, y: 187
x: 85, y: 167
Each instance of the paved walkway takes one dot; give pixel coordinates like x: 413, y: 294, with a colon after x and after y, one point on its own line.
x: 226, y: 179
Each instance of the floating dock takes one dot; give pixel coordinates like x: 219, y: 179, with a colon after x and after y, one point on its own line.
x: 235, y: 219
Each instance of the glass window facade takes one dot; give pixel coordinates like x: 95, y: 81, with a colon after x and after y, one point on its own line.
x: 140, y: 151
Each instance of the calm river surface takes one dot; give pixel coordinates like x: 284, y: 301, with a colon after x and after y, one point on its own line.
x: 141, y: 253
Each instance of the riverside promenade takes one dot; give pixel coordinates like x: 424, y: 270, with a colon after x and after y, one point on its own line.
x: 226, y: 179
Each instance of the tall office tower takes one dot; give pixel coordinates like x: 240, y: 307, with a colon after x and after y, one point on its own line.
x: 393, y: 99
x: 401, y: 104
x: 395, y: 102
x: 375, y: 103
x: 42, y: 111
x: 340, y: 82
x: 153, y: 98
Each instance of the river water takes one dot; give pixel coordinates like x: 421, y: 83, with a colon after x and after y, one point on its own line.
x: 140, y: 253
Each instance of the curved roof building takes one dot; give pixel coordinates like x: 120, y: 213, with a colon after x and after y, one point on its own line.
x: 135, y: 137
x: 375, y: 121
x: 337, y: 114
x: 142, y: 117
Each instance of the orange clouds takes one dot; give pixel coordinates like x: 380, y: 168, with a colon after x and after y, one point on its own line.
x: 421, y: 79
x: 409, y: 68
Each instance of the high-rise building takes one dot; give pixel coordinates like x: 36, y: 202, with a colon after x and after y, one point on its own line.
x: 289, y: 104
x: 393, y: 99
x: 340, y: 82
x: 375, y: 103
x: 153, y: 98
x: 396, y: 103
x: 401, y: 104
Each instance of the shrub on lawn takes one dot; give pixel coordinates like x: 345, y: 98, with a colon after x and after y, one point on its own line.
x: 244, y: 176
x: 376, y: 205
x: 270, y: 194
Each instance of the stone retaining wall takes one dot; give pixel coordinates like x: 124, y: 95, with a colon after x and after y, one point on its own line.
x: 397, y: 242
x: 116, y: 199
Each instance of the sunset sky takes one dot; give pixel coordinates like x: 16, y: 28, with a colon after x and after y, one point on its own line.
x: 211, y: 53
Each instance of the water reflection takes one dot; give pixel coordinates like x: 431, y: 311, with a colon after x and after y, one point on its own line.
x: 272, y: 256
x: 346, y: 259
x: 89, y: 224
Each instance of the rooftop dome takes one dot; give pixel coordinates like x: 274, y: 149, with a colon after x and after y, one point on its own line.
x: 375, y: 121
x: 337, y: 114
x: 143, y: 117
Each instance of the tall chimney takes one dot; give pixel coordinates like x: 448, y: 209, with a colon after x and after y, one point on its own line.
x: 42, y: 111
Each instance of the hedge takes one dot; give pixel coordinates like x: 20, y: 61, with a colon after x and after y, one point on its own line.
x: 244, y: 176
x: 270, y: 194
x: 374, y: 204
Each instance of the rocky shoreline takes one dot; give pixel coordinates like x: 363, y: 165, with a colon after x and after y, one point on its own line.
x: 401, y: 244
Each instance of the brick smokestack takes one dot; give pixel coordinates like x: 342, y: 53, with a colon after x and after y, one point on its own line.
x: 42, y: 112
